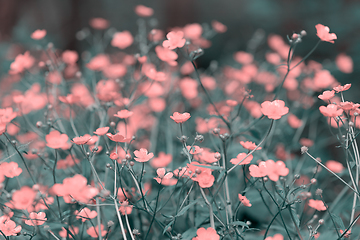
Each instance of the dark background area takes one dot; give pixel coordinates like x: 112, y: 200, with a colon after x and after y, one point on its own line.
x: 63, y: 18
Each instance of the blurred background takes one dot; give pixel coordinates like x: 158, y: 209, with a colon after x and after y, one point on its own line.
x: 63, y: 19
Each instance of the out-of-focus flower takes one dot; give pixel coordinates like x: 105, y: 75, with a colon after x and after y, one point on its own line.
x: 323, y: 32
x: 274, y: 110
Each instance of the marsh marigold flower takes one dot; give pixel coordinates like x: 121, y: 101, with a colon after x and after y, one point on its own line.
x: 323, y: 32
x: 274, y: 110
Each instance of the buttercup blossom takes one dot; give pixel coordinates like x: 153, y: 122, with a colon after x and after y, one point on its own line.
x: 144, y: 11
x: 122, y: 40
x: 8, y: 227
x: 38, y: 34
x: 327, y: 95
x: 36, y: 219
x: 274, y: 110
x: 275, y: 237
x: 240, y: 157
x: 330, y: 110
x: 102, y: 131
x: 175, y: 40
x: 249, y: 145
x: 81, y: 140
x: 323, y: 32
x: 124, y: 114
x: 117, y: 137
x: 85, y: 214
x: 142, y: 155
x: 57, y: 140
x: 206, y: 234
x: 180, y: 117
x: 317, y: 204
x: 244, y: 200
x: 342, y: 88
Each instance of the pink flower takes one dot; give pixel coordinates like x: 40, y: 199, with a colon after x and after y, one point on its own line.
x: 175, y: 40
x: 330, y: 110
x: 244, y: 200
x: 162, y: 160
x: 64, y: 233
x: 93, y: 231
x: 275, y: 237
x: 82, y: 139
x: 36, y: 219
x: 334, y: 166
x: 258, y: 171
x: 240, y: 157
x: 38, y: 34
x: 317, y: 204
x: 57, y: 140
x: 8, y: 227
x: 243, y: 57
x: 85, y: 214
x: 323, y: 33
x: 142, y: 155
x: 180, y: 117
x: 99, y: 23
x: 144, y: 11
x: 122, y: 40
x: 276, y: 169
x: 206, y: 234
x: 342, y: 88
x: 294, y: 121
x: 165, y: 179
x: 10, y: 169
x: 327, y: 95
x: 218, y: 27
x: 166, y: 55
x: 274, y: 110
x: 344, y: 63
x: 117, y: 137
x: 70, y: 57
x: 125, y: 208
x: 124, y: 114
x: 205, y: 179
x: 249, y: 145
x: 101, y: 131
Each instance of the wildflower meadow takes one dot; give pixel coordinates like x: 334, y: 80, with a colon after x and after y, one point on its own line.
x: 132, y: 139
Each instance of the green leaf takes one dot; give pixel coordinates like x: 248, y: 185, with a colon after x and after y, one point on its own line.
x: 338, y: 221
x: 184, y: 209
x: 296, y: 218
x: 168, y: 225
x: 222, y: 173
x: 189, y: 234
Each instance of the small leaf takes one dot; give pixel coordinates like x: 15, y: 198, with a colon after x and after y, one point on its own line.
x: 222, y: 173
x: 239, y: 223
x: 296, y: 218
x: 168, y: 225
x: 209, y: 166
x: 184, y: 209
x: 338, y: 221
